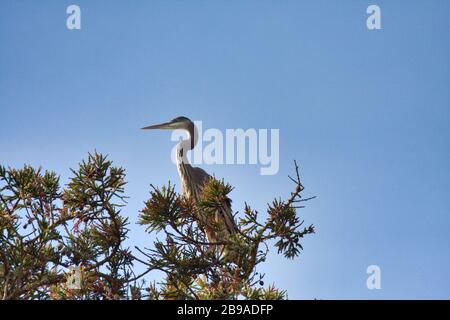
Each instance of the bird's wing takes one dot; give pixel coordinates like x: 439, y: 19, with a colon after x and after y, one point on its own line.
x: 224, y: 214
x: 200, y: 176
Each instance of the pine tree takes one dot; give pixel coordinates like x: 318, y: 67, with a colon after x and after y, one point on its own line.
x: 69, y: 242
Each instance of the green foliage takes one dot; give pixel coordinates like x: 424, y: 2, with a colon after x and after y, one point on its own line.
x: 161, y: 209
x: 49, y: 233
x: 197, y: 269
x: 44, y: 230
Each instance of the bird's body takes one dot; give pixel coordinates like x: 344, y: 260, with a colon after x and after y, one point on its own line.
x: 219, y: 226
x: 222, y: 217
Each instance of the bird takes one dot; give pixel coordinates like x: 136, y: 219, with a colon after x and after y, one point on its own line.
x: 193, y: 180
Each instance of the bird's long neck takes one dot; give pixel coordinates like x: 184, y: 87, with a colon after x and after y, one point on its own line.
x: 188, y: 144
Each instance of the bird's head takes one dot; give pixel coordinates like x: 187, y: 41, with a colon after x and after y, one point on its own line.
x: 177, y: 123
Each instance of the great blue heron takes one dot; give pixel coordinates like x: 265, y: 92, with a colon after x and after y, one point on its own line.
x: 193, y: 180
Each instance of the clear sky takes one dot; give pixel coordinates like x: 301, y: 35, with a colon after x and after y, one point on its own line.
x: 366, y: 114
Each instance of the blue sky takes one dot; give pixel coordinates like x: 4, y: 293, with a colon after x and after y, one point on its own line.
x: 366, y: 114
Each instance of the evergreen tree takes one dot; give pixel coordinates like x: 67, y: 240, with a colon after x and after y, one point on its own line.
x: 68, y: 242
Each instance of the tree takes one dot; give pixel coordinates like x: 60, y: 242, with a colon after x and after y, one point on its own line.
x: 50, y: 235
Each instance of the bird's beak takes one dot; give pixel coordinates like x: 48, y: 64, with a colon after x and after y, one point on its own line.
x: 165, y: 125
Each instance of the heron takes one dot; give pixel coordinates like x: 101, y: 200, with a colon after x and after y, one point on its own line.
x: 193, y: 180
